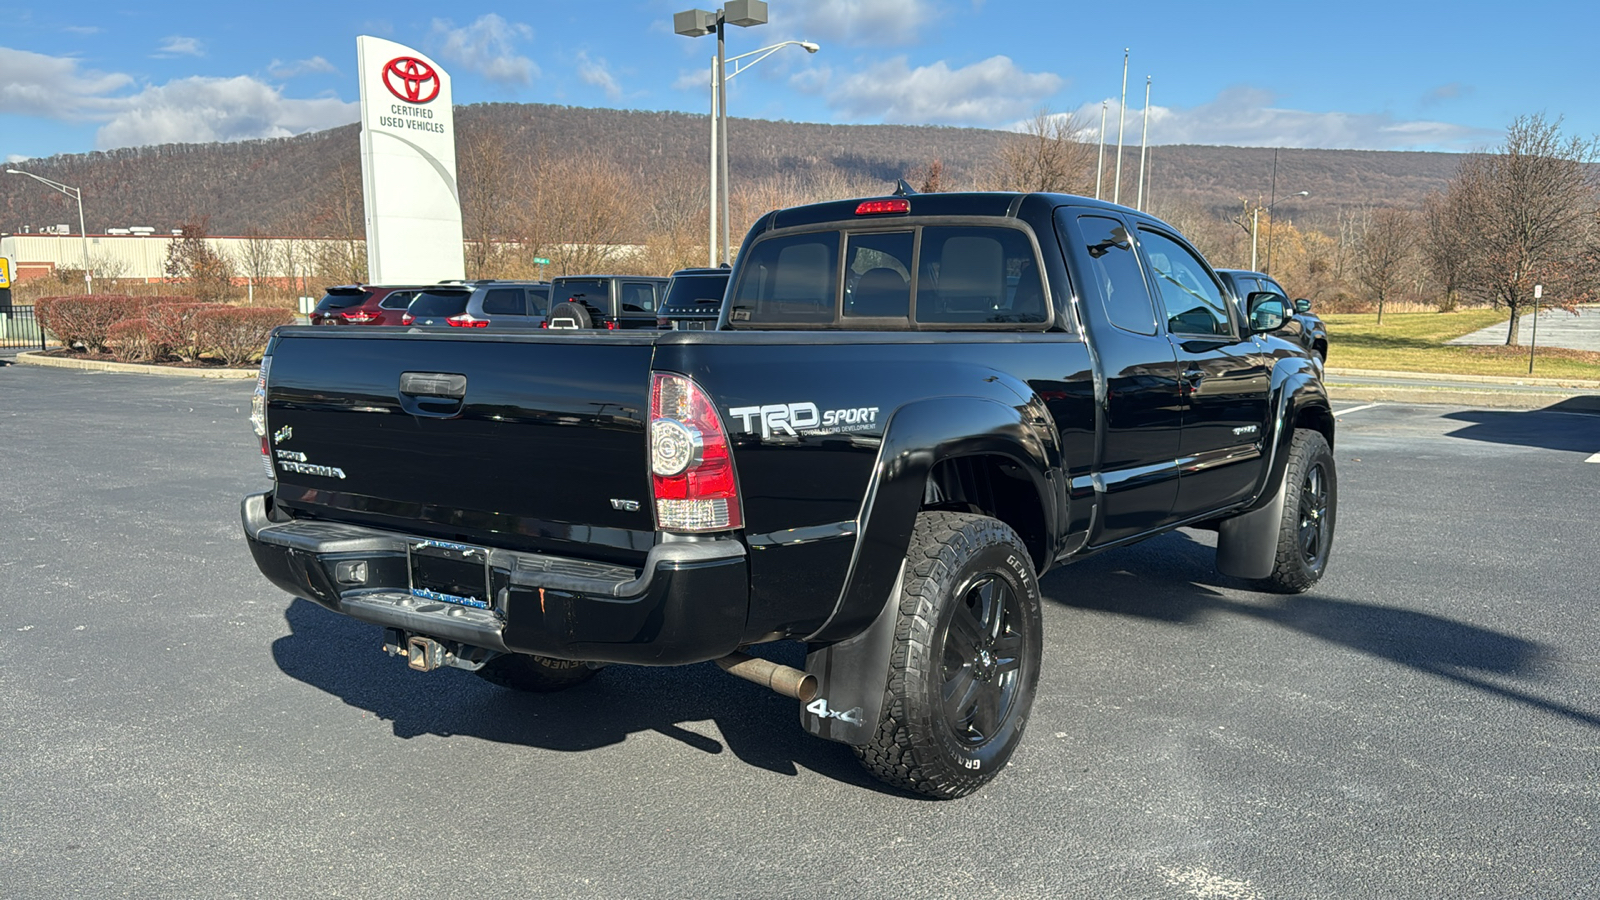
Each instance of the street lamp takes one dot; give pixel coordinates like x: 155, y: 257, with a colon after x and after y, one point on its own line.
x: 1255, y: 222
x: 76, y: 194
x: 700, y: 22
x: 733, y: 61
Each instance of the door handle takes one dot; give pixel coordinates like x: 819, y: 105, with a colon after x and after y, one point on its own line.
x: 436, y: 395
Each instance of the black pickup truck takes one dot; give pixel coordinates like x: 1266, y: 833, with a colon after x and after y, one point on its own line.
x: 911, y: 408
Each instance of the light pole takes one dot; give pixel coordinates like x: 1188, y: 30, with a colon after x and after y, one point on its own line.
x: 1269, y: 229
x: 700, y: 22
x: 76, y: 194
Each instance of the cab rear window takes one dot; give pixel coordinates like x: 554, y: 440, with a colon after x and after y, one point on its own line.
x: 931, y: 277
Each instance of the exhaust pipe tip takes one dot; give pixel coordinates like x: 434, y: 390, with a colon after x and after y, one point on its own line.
x: 786, y: 680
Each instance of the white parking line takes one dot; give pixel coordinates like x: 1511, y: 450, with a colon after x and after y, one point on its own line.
x: 1355, y: 409
x: 1594, y: 459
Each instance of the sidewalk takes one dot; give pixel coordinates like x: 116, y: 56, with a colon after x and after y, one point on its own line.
x: 1557, y: 328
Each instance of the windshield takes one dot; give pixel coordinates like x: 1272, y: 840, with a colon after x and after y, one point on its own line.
x: 696, y: 293
x: 439, y: 303
x: 341, y: 300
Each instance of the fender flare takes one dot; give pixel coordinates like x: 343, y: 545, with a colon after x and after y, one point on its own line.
x: 849, y: 654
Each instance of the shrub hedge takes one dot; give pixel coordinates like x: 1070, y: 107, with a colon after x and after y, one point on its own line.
x: 160, y: 328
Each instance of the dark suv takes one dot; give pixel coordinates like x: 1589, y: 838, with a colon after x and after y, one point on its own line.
x: 364, y: 304
x: 693, y: 300
x: 499, y: 305
x: 1302, y: 325
x: 605, y: 301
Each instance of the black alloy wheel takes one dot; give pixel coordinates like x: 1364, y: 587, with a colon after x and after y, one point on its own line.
x: 1314, y: 536
x: 1310, y: 510
x: 982, y: 659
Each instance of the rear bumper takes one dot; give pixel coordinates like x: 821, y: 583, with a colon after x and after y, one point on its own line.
x: 687, y: 604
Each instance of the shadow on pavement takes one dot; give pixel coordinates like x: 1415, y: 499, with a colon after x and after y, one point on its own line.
x: 1177, y: 582
x: 1570, y: 433
x: 341, y: 656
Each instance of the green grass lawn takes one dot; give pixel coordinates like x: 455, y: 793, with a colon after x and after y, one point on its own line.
x: 1414, y: 342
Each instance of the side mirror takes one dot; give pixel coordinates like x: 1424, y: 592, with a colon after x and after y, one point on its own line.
x: 1268, y: 311
x: 1302, y: 305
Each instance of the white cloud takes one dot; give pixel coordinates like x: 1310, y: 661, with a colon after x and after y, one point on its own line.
x: 877, y: 23
x: 487, y: 47
x: 598, y: 73
x: 984, y: 93
x: 182, y: 111
x: 1246, y: 117
x: 32, y: 84
x: 16, y: 158
x: 193, y: 110
x: 316, y: 65
x: 180, y: 46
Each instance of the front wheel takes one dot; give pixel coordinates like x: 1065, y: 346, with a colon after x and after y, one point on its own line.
x: 1310, y: 508
x: 965, y: 663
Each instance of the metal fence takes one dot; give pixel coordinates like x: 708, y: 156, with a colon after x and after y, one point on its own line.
x: 19, y: 329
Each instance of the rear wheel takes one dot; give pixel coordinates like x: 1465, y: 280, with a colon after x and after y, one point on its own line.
x: 1310, y: 508
x: 965, y: 662
x: 535, y: 674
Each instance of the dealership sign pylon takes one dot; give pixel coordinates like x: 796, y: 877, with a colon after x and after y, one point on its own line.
x: 408, y: 166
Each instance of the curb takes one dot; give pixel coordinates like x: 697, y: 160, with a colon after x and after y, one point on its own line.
x: 1481, y: 399
x: 34, y: 358
x: 1513, y: 380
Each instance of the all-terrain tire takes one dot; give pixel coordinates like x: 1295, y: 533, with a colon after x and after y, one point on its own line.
x: 1310, y: 509
x: 965, y: 662
x: 535, y: 674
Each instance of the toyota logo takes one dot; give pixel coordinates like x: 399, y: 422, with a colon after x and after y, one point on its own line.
x: 411, y: 79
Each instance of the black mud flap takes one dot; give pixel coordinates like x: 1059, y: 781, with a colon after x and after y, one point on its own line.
x: 852, y: 677
x: 1247, y: 544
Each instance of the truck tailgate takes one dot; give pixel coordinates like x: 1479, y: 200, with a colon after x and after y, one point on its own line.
x: 532, y: 442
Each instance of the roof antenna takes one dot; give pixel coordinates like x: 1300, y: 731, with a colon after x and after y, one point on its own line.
x: 904, y: 189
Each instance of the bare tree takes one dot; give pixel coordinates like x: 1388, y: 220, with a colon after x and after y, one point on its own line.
x: 1048, y: 155
x: 1526, y: 215
x: 583, y: 212
x: 1388, y: 249
x: 191, y: 257
x: 257, y: 257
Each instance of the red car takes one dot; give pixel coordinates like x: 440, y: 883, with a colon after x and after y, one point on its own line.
x: 364, y: 304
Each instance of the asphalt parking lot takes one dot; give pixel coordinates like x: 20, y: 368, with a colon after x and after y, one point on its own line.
x: 1425, y: 723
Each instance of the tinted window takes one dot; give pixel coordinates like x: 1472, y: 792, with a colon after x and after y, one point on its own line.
x: 397, y: 300
x: 695, y: 293
x: 1193, y: 303
x: 439, y: 303
x: 638, y: 297
x: 978, y: 276
x: 504, y: 302
x: 341, y: 300
x: 538, y: 301
x: 791, y: 279
x: 593, y: 292
x: 877, y: 280
x: 1114, y: 273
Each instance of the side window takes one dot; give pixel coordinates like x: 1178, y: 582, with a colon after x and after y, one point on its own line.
x: 978, y: 276
x: 504, y: 302
x: 1114, y: 271
x: 789, y: 280
x: 1193, y: 302
x: 538, y: 301
x: 638, y: 297
x: 397, y: 300
x: 877, y: 279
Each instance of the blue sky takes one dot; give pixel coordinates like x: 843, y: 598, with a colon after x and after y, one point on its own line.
x: 1373, y: 75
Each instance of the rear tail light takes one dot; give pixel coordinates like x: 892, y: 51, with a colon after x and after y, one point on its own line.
x: 407, y: 319
x: 610, y: 325
x: 691, y: 469
x: 544, y: 324
x: 258, y: 415
x: 465, y: 320
x: 359, y: 315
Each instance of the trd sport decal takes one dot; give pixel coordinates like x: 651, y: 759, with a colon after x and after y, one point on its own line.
x: 796, y: 419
